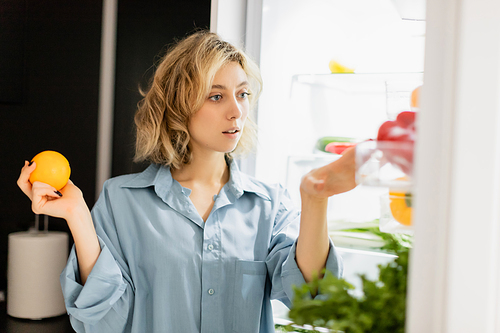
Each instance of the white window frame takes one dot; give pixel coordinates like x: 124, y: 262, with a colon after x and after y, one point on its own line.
x: 240, y: 22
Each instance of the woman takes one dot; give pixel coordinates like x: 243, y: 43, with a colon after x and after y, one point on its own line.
x: 191, y: 244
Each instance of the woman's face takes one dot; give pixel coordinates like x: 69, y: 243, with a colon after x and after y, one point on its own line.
x: 217, y: 126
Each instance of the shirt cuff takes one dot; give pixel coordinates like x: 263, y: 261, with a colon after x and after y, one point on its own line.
x: 104, y: 286
x: 292, y: 276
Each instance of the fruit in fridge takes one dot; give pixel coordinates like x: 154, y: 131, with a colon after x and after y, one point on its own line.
x: 401, y: 132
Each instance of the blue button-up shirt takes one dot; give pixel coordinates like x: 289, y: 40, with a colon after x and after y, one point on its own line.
x: 163, y: 269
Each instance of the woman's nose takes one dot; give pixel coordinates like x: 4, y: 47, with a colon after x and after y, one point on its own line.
x: 234, y: 109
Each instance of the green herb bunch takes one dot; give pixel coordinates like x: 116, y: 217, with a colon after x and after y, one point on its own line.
x: 380, y: 309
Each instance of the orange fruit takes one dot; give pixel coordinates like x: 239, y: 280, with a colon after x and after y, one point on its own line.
x: 415, y: 98
x: 51, y: 168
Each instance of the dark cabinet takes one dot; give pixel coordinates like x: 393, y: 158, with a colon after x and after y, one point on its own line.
x: 50, y: 63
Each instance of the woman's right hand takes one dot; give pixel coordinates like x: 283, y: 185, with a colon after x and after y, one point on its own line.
x: 68, y: 203
x: 46, y: 200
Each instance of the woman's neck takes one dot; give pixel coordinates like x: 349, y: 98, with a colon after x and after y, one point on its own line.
x: 209, y: 170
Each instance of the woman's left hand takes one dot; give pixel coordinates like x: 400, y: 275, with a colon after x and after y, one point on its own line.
x: 334, y: 178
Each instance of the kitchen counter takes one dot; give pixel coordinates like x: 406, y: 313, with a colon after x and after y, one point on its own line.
x: 10, y: 324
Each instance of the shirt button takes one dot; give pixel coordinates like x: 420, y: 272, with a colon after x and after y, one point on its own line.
x: 210, y: 247
x: 211, y: 291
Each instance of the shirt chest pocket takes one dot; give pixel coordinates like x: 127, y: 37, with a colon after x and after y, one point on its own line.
x: 248, y: 295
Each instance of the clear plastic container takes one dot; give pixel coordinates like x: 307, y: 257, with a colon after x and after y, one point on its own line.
x: 385, y: 163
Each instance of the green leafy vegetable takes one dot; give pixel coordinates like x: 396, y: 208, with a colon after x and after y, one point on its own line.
x: 380, y: 309
x: 285, y: 329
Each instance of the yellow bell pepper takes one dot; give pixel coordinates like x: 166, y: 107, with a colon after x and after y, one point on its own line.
x: 400, y: 204
x: 336, y: 67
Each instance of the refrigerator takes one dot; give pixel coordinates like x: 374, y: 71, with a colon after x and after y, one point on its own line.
x: 452, y: 49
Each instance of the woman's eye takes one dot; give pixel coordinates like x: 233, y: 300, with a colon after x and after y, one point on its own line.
x: 244, y: 94
x: 215, y: 98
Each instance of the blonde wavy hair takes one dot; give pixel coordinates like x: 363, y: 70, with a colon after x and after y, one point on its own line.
x: 180, y: 86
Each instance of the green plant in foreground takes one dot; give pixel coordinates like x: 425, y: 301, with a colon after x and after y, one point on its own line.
x: 380, y: 309
x: 285, y: 329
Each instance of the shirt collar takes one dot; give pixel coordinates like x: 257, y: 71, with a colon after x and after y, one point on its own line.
x: 160, y: 178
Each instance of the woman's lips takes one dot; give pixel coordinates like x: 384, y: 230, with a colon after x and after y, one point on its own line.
x: 232, y: 134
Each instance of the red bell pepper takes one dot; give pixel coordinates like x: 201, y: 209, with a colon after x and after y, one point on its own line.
x: 402, y: 130
x: 338, y: 147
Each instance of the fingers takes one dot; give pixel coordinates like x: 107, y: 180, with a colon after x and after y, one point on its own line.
x: 331, y: 179
x: 349, y: 151
x: 348, y: 156
x: 42, y: 195
x: 23, y: 180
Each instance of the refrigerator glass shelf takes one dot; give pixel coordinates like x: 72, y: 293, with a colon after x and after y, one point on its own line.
x: 347, y: 104
x: 357, y: 83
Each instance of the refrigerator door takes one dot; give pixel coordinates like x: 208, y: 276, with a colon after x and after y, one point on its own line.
x: 454, y: 273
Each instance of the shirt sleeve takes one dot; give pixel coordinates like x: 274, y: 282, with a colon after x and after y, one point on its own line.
x: 105, y: 302
x: 282, y: 266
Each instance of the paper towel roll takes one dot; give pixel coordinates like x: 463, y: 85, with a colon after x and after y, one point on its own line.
x: 35, y: 261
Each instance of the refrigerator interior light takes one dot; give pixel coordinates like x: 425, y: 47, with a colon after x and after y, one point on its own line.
x: 413, y: 10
